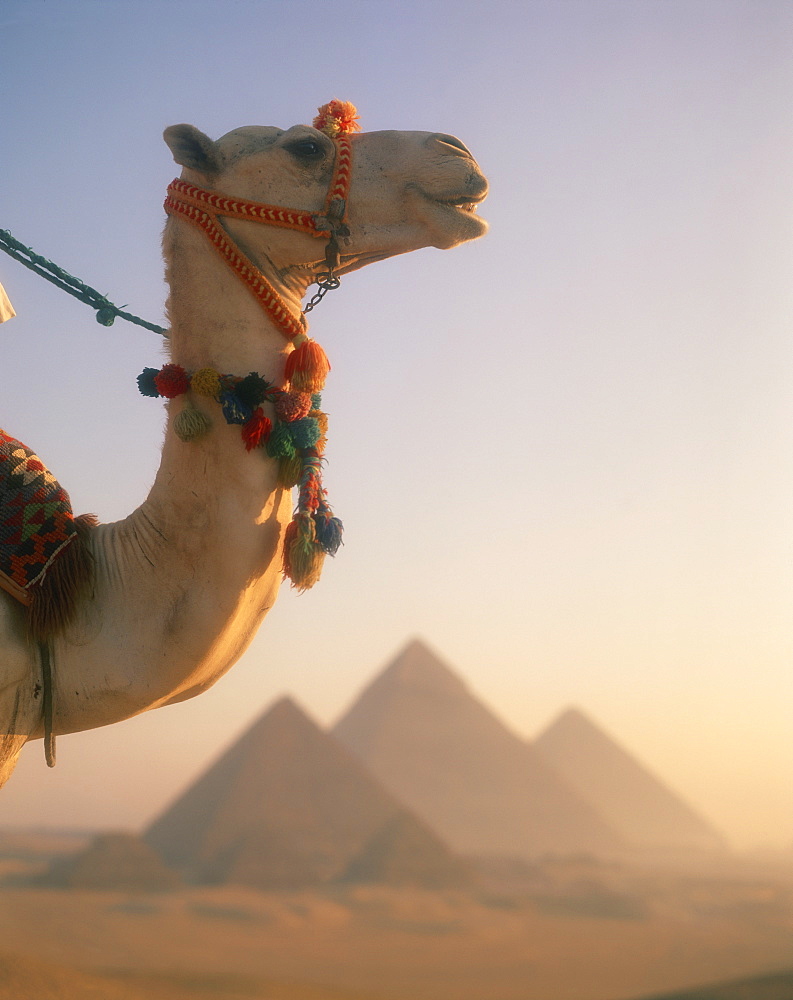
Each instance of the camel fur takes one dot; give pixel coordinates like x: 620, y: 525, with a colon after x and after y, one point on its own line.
x: 183, y: 583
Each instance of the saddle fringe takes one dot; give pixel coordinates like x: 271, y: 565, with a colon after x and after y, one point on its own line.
x: 55, y: 597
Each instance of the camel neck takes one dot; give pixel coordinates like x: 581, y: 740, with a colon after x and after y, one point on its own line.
x: 212, y: 324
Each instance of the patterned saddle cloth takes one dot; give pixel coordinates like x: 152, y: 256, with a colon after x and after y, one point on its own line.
x: 36, y: 519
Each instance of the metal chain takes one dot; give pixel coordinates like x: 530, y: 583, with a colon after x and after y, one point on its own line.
x: 326, y: 282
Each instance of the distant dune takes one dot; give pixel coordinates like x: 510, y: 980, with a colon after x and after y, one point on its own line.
x: 25, y: 978
x: 777, y: 986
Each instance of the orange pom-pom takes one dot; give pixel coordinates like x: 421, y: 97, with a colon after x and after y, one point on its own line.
x: 307, y: 367
x: 337, y: 117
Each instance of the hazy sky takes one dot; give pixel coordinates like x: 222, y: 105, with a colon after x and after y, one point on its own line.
x: 563, y: 454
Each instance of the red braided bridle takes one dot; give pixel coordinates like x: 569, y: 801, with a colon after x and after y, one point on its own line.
x: 202, y: 207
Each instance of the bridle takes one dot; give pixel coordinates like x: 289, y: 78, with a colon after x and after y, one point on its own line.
x: 202, y: 208
x: 298, y: 436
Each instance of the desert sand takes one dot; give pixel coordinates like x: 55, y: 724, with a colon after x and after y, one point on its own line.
x: 377, y: 943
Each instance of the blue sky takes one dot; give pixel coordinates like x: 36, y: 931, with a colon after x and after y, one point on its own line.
x: 562, y: 453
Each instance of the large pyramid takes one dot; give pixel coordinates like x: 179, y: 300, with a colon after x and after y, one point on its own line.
x: 439, y: 750
x: 637, y: 804
x: 287, y: 805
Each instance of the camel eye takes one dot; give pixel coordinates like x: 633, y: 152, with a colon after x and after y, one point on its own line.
x: 306, y: 149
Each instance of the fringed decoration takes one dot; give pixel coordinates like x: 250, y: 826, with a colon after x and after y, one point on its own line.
x: 55, y: 597
x: 206, y: 382
x: 322, y: 422
x: 280, y: 444
x: 252, y: 390
x: 191, y: 424
x: 329, y: 531
x: 337, y: 118
x: 256, y: 430
x: 303, y: 556
x: 291, y: 406
x: 296, y: 439
x: 234, y: 410
x: 314, y: 531
x: 307, y: 366
x: 146, y: 384
x: 172, y: 381
x: 290, y: 469
x: 304, y: 433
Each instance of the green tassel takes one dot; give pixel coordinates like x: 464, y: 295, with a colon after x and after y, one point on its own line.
x: 191, y: 424
x: 289, y: 471
x: 280, y: 444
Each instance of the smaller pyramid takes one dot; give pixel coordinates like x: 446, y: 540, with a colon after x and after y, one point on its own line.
x: 286, y: 806
x: 647, y: 813
x: 113, y: 861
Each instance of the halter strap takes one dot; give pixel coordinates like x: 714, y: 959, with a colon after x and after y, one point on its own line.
x: 201, y: 207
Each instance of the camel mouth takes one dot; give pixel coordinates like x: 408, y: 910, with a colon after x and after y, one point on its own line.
x: 456, y: 217
x: 465, y: 203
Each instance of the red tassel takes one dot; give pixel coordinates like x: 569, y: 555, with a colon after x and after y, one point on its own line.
x: 171, y: 381
x: 255, y: 430
x: 307, y: 367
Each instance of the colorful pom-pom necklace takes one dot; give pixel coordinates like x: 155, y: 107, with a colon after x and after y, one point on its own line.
x: 297, y: 438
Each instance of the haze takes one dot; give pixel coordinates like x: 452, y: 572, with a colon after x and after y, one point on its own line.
x: 562, y: 454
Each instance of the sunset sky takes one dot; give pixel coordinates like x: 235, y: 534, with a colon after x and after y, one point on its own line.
x: 563, y: 454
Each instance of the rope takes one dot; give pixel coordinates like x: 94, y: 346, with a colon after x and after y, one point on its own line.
x: 106, y: 311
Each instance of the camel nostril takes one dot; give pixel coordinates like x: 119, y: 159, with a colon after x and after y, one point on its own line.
x: 450, y: 140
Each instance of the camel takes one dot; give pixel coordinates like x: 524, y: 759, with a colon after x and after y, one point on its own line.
x: 180, y: 586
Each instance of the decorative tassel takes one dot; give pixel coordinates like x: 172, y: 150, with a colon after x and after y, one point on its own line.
x: 252, y: 390
x: 146, y: 384
x: 307, y: 366
x: 291, y: 406
x: 303, y: 556
x: 206, y: 382
x: 322, y: 422
x: 256, y: 430
x: 337, y: 117
x: 191, y: 424
x: 329, y: 531
x: 234, y: 411
x: 280, y: 444
x: 171, y: 381
x: 290, y: 470
x: 71, y: 575
x: 296, y: 440
x: 304, y: 433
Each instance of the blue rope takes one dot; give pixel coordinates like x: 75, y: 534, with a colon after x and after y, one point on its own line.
x: 106, y: 312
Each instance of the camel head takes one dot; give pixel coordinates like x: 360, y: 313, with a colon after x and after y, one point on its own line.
x: 407, y: 190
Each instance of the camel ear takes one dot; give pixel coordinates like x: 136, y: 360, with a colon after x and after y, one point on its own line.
x: 191, y: 148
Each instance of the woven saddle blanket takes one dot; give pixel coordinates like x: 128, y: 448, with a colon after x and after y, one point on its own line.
x: 36, y: 519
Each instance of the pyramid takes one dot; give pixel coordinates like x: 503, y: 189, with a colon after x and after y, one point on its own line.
x: 285, y: 806
x: 438, y: 749
x: 113, y: 861
x: 638, y: 805
x: 404, y: 852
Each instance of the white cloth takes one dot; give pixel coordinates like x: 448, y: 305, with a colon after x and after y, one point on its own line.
x: 6, y: 309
